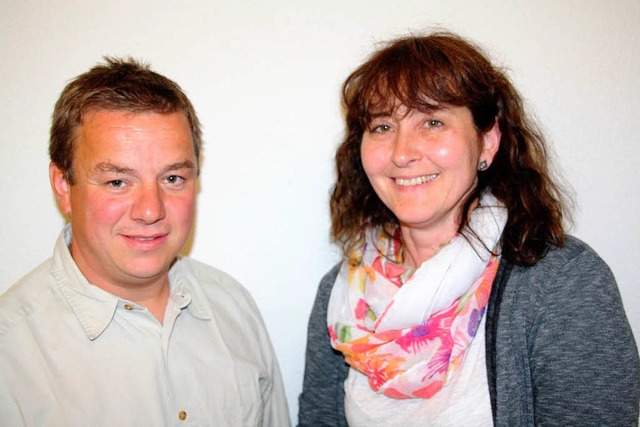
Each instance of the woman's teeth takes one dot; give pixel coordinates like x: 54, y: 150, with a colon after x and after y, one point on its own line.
x: 415, y: 181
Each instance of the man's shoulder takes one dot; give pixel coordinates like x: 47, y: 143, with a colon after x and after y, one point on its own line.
x: 27, y: 295
x: 226, y: 299
x: 216, y: 284
x: 209, y: 276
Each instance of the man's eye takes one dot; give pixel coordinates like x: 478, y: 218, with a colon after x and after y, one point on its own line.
x: 116, y: 183
x: 174, y: 179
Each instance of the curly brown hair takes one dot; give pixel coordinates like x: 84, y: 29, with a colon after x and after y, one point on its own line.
x: 419, y: 72
x: 119, y: 85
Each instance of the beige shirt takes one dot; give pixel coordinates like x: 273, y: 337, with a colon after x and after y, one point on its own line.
x: 72, y: 354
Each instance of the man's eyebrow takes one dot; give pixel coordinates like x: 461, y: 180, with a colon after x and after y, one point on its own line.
x: 187, y: 164
x: 111, y: 167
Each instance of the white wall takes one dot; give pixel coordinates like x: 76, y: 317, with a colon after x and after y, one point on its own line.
x: 264, y: 77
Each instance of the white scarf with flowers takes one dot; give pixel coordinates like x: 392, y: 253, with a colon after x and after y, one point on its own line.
x: 409, y: 335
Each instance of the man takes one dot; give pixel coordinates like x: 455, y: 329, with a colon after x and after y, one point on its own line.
x: 115, y: 329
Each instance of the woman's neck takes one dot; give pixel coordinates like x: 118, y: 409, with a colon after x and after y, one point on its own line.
x: 420, y: 245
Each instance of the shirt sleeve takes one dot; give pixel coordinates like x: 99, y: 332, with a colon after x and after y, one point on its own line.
x: 322, y: 398
x: 276, y: 410
x: 9, y: 411
x: 583, y: 357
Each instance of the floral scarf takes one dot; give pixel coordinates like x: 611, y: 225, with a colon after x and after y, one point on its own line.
x: 409, y: 333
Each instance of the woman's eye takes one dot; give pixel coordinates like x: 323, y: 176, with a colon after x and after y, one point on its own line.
x: 433, y: 123
x: 380, y: 128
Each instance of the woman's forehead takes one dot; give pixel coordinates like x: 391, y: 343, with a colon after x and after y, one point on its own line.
x: 390, y: 98
x: 394, y: 106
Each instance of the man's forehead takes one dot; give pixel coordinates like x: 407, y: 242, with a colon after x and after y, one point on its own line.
x: 110, y: 136
x: 93, y: 113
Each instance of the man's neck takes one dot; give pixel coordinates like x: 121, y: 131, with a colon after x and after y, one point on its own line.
x: 152, y: 293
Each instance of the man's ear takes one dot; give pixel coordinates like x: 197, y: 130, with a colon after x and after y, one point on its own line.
x: 61, y: 188
x: 490, y: 143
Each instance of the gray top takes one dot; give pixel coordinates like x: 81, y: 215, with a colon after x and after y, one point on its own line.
x: 559, y: 347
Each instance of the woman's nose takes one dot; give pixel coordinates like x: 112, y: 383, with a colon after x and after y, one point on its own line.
x: 405, y: 149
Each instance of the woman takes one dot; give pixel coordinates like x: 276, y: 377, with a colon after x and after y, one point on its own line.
x: 460, y: 300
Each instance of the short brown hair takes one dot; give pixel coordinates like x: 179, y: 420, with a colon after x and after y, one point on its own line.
x: 118, y: 85
x: 421, y: 72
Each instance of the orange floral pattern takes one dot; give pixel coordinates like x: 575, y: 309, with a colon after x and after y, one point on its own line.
x: 434, y: 349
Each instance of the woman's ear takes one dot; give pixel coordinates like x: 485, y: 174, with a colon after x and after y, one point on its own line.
x: 490, y: 143
x: 61, y: 188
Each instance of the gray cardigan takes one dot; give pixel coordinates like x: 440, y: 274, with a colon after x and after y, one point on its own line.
x: 559, y: 347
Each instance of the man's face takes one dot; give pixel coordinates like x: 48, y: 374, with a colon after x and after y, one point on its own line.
x: 132, y: 204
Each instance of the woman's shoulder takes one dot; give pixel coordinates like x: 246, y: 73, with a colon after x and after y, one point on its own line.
x: 565, y: 318
x: 565, y: 275
x: 331, y: 275
x: 572, y: 248
x: 574, y: 259
x: 327, y: 281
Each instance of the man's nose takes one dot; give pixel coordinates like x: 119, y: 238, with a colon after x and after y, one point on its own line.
x: 148, y: 207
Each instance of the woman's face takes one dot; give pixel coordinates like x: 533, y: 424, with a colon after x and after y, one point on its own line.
x: 424, y: 165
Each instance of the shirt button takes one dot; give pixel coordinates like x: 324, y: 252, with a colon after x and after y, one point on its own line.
x: 128, y: 307
x: 182, y: 415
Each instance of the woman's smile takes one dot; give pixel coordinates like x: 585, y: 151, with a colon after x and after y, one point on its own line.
x: 409, y: 182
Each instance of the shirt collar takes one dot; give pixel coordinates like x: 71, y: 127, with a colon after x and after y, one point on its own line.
x: 186, y: 292
x: 95, y: 308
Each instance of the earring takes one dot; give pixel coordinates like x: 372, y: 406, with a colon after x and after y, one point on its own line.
x: 483, y: 165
